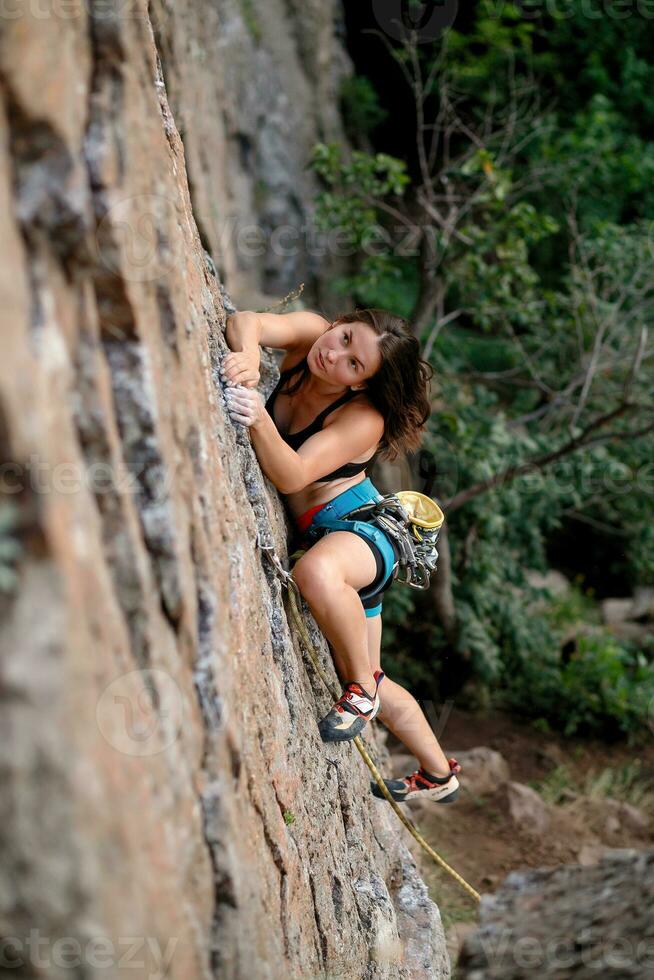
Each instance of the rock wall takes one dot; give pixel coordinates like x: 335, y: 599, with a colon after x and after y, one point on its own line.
x: 567, y: 922
x: 167, y: 806
x: 252, y: 87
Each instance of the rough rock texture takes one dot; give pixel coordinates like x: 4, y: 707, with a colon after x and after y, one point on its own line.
x: 566, y: 922
x: 252, y: 87
x: 166, y: 800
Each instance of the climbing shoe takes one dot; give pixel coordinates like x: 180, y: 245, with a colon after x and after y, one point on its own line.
x: 440, y: 789
x: 352, y: 711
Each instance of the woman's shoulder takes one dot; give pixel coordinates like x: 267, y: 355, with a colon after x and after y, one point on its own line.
x: 358, y: 407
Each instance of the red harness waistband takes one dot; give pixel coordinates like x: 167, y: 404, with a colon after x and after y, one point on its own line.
x: 304, y: 520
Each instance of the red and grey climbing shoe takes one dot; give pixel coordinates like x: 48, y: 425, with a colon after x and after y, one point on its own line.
x: 352, y: 711
x: 440, y: 789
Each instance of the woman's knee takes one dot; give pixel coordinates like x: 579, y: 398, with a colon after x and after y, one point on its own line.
x: 314, y: 574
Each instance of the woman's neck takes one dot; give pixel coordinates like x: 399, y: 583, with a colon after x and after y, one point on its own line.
x: 316, y: 388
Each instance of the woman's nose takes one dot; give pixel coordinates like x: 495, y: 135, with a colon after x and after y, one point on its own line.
x: 331, y: 356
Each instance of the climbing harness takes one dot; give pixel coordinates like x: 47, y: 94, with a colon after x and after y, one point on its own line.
x: 412, y: 521
x: 294, y: 594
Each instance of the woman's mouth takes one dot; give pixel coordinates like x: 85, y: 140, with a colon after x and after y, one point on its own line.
x: 321, y: 361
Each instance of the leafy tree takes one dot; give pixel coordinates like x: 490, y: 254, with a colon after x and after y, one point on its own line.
x: 521, y: 249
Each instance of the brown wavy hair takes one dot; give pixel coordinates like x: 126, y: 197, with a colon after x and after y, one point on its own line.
x: 400, y: 389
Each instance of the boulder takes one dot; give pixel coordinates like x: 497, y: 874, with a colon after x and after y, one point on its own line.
x: 643, y: 603
x: 483, y: 770
x: 623, y: 816
x: 567, y: 923
x: 590, y: 854
x: 555, y: 582
x: 617, y: 610
x: 527, y: 810
x: 610, y: 818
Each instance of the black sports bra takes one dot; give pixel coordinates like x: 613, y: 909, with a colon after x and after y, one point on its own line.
x: 295, y: 439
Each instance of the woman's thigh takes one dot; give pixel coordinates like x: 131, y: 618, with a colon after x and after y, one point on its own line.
x: 343, y: 554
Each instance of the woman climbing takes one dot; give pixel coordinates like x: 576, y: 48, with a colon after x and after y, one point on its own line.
x: 360, y: 388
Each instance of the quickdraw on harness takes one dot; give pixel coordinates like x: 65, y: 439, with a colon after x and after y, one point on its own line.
x: 413, y: 522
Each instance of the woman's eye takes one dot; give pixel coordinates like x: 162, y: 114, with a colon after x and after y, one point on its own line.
x: 354, y: 362
x: 345, y: 336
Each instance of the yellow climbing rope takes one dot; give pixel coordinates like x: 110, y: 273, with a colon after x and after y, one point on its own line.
x: 293, y: 592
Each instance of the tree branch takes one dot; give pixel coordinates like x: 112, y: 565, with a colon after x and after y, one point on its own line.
x: 577, y: 442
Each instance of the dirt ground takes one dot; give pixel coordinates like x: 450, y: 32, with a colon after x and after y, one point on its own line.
x: 478, y: 836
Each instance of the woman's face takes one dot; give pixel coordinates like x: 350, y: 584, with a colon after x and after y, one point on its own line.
x: 346, y: 354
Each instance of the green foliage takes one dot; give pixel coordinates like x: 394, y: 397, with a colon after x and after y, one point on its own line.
x: 360, y: 106
x: 289, y: 817
x: 629, y: 783
x: 251, y: 20
x: 500, y: 37
x: 571, y: 608
x: 353, y: 184
x: 409, y: 652
x: 385, y: 281
x: 606, y: 682
x: 557, y: 785
x: 607, y: 53
x: 551, y: 270
x: 361, y: 174
x: 598, y: 139
x: 604, y: 688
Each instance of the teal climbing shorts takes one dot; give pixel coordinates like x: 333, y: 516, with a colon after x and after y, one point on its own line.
x: 330, y: 516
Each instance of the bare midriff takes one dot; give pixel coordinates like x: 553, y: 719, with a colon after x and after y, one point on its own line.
x: 317, y: 492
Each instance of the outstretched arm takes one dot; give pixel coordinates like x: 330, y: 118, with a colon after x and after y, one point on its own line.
x: 246, y: 330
